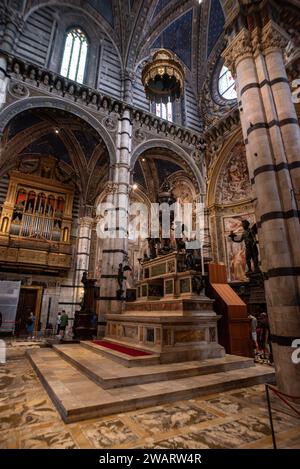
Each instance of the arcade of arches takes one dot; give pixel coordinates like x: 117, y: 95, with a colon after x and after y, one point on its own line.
x: 79, y: 132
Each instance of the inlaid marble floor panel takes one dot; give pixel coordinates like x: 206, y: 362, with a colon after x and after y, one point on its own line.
x: 233, y: 419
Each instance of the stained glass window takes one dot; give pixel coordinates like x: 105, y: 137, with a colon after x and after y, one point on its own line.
x: 227, y: 84
x: 75, y: 54
x: 164, y: 110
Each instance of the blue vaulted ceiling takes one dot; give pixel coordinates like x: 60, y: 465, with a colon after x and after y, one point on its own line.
x: 216, y: 25
x: 104, y: 7
x: 49, y: 144
x: 160, y: 5
x: 178, y: 38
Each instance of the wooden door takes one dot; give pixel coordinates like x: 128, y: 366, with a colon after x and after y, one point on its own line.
x: 27, y: 303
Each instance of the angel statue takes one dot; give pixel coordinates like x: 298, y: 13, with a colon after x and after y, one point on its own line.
x: 121, y: 279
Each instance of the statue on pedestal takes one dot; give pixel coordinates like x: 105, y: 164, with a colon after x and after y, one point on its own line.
x: 121, y: 279
x: 249, y: 238
x: 152, y: 242
x: 83, y: 327
x: 165, y: 199
x: 179, y: 236
x: 198, y: 284
x: 84, y: 301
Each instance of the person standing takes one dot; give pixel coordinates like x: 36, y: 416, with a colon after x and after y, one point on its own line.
x: 63, y: 323
x: 58, y: 323
x: 30, y: 325
x: 266, y: 336
x: 253, y: 327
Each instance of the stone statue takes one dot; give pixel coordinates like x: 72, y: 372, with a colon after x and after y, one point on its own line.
x: 71, y: 90
x: 46, y: 80
x: 152, y: 247
x: 58, y: 85
x: 94, y: 101
x: 121, y: 278
x: 84, y: 281
x: 16, y: 69
x: 84, y: 96
x: 165, y: 199
x: 198, y: 284
x: 32, y: 74
x: 249, y: 238
x: 189, y: 260
x: 193, y: 260
x: 179, y: 233
x: 83, y: 328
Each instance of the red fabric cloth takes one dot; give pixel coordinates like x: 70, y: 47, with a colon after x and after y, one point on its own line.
x: 121, y: 348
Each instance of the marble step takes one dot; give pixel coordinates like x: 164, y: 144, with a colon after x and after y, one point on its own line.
x: 79, y: 398
x: 100, y: 370
x: 122, y: 358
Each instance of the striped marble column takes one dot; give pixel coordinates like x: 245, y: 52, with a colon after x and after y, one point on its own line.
x: 108, y: 276
x: 127, y: 79
x: 3, y: 80
x: 116, y: 250
x: 284, y: 108
x: 268, y: 155
x: 83, y: 252
x: 13, y: 25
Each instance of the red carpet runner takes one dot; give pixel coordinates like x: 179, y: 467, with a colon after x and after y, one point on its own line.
x: 121, y: 348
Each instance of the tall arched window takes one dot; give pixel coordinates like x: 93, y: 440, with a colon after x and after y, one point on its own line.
x: 164, y: 110
x: 227, y: 84
x: 75, y: 54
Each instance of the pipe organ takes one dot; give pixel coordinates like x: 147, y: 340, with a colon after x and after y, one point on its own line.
x: 37, y: 216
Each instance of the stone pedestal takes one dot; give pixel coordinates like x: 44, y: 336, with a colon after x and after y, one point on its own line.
x: 170, y: 317
x: 84, y: 328
x: 252, y: 292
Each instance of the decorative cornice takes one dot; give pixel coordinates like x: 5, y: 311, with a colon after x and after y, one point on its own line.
x: 53, y: 84
x: 10, y: 15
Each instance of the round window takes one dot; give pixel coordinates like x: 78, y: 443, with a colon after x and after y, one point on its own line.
x: 227, y: 84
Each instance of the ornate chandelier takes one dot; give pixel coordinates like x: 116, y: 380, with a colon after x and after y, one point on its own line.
x: 163, y: 77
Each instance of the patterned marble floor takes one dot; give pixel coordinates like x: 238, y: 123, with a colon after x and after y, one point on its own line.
x: 234, y: 419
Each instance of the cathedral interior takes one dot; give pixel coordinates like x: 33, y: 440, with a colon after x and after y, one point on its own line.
x: 112, y: 336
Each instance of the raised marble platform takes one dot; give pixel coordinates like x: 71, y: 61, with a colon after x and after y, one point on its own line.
x: 83, y: 384
x: 99, y: 368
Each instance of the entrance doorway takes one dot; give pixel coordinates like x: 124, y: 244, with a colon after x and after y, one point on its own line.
x: 29, y: 301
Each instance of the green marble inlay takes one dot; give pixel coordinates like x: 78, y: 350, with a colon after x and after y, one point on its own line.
x: 159, y: 269
x: 185, y: 285
x: 169, y: 287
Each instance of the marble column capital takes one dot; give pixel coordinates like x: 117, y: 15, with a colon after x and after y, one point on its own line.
x: 273, y: 38
x: 111, y: 188
x: 128, y: 75
x: 238, y: 49
x: 86, y: 222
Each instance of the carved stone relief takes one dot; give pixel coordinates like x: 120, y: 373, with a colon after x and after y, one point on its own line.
x: 234, y: 184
